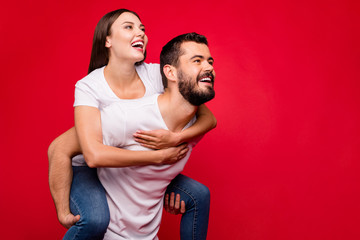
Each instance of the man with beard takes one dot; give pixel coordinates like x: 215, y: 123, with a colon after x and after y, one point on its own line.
x: 135, y: 194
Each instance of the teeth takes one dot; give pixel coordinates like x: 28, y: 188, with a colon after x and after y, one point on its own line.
x: 207, y: 79
x: 137, y: 44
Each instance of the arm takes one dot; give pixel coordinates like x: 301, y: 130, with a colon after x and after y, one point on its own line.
x: 160, y: 139
x: 96, y: 154
x: 60, y: 174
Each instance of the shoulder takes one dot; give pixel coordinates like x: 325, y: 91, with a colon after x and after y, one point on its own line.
x: 93, y: 79
x: 149, y: 68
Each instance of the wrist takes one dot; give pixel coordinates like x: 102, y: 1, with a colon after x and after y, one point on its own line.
x: 159, y: 156
x: 178, y: 138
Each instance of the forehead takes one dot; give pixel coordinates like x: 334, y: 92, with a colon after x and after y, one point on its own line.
x: 191, y: 49
x: 127, y: 17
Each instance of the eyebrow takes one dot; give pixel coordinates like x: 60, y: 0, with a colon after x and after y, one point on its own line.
x: 202, y: 57
x: 141, y: 25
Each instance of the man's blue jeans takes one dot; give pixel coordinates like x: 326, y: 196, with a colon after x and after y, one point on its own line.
x: 88, y: 199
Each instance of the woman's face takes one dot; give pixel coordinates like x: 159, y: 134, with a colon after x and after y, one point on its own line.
x: 127, y: 40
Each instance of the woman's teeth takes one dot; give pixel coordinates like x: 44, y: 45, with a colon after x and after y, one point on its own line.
x: 138, y: 44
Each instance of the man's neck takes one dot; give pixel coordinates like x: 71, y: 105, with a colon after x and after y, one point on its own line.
x: 175, y: 110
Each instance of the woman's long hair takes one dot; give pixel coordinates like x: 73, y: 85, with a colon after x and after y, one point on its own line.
x: 100, y: 53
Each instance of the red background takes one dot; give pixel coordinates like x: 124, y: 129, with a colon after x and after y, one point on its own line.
x: 283, y: 162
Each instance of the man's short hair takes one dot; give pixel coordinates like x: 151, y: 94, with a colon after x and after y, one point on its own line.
x: 171, y: 52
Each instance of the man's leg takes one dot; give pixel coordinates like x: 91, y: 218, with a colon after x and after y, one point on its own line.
x: 88, y: 199
x: 194, y: 222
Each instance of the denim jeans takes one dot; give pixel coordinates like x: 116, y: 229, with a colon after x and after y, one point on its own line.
x: 194, y: 222
x: 88, y: 199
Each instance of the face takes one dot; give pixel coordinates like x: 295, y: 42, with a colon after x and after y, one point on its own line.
x: 127, y: 40
x: 195, y: 73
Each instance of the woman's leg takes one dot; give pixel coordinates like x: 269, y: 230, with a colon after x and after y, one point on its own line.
x: 194, y: 222
x: 88, y: 199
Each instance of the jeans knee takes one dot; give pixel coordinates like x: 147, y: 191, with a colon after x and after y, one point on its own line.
x: 95, y: 225
x: 203, y: 194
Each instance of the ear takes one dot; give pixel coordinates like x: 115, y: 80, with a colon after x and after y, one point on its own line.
x: 170, y: 73
x: 108, y: 42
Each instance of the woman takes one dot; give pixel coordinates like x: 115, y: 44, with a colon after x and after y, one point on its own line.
x: 120, y: 45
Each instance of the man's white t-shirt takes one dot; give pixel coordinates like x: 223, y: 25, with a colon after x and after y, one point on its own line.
x: 134, y: 194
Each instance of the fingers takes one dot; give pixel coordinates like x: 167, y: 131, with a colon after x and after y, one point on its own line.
x: 177, y: 202
x: 143, y: 138
x: 173, y: 204
x: 166, y: 206
x: 172, y: 196
x: 182, y: 208
x: 183, y: 153
x: 76, y: 218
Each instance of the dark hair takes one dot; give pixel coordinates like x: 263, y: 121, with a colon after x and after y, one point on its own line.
x: 100, y: 53
x: 171, y: 52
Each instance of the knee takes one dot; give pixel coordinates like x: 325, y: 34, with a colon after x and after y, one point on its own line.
x: 202, y: 194
x: 94, y: 224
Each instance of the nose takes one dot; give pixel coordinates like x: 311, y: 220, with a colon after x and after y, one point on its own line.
x: 208, y: 67
x: 140, y: 33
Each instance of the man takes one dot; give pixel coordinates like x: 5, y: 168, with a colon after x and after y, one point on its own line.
x: 188, y: 78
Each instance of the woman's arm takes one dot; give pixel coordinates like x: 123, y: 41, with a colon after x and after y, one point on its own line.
x: 60, y: 174
x: 96, y: 154
x: 160, y: 139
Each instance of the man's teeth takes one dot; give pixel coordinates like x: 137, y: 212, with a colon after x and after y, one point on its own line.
x: 137, y: 44
x: 207, y: 79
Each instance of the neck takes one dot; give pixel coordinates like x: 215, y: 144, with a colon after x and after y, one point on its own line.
x: 175, y: 110
x: 120, y: 74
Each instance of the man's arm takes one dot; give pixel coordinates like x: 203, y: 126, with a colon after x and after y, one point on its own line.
x: 60, y: 174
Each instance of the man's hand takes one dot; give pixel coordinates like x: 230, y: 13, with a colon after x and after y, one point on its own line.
x: 174, y: 206
x: 68, y: 220
x: 157, y: 139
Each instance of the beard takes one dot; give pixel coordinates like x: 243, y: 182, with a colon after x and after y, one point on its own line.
x: 190, y: 90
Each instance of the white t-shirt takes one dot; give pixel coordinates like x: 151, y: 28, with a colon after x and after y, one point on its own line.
x: 134, y: 194
x: 94, y: 91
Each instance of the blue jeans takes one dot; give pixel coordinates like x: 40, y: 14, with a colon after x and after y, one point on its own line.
x: 88, y: 199
x: 194, y: 222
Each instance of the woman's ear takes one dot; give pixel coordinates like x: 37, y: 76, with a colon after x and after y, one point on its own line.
x: 170, y: 72
x: 108, y: 42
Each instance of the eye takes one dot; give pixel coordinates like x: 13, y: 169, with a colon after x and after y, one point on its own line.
x: 142, y: 29
x: 211, y: 62
x: 197, y: 60
x: 128, y: 27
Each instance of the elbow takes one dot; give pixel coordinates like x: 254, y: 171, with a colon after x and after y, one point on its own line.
x: 52, y: 150
x: 91, y: 159
x: 214, y: 123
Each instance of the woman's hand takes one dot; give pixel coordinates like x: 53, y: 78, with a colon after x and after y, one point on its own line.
x: 157, y: 139
x: 173, y: 154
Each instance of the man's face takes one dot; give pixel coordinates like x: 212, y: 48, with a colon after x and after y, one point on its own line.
x: 196, y: 74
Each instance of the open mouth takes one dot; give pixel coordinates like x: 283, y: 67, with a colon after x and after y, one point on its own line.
x: 138, y: 45
x: 206, y: 80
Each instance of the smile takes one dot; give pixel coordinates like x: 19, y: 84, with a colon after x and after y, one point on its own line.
x: 206, y: 79
x: 138, y: 44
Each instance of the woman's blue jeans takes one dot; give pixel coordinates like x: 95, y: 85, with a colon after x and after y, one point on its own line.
x: 88, y: 199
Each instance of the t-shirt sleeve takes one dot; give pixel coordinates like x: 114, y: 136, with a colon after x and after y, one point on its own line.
x: 85, y: 95
x: 156, y: 79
